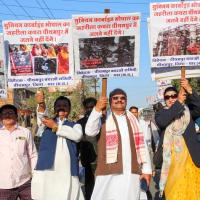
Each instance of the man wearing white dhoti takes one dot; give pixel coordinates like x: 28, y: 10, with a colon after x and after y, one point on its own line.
x: 123, y: 157
x: 56, y: 174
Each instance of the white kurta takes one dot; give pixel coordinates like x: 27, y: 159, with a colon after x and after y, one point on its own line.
x: 57, y: 183
x: 146, y: 131
x: 124, y: 186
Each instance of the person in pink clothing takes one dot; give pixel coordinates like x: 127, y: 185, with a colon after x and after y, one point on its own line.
x: 18, y: 157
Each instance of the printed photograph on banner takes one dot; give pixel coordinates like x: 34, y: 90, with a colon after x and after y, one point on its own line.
x: 39, y: 59
x: 40, y: 51
x: 20, y: 60
x: 2, y: 75
x: 180, y: 40
x: 106, y: 45
x: 53, y: 59
x: 161, y: 86
x: 3, y: 86
x: 107, y: 52
x: 175, y: 37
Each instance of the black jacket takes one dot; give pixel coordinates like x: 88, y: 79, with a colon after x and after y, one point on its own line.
x: 165, y: 116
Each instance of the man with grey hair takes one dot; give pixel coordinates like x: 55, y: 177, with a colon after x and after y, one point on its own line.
x: 123, y: 158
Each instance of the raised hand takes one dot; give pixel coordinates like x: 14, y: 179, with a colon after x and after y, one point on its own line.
x: 101, y: 104
x: 186, y: 86
x: 40, y: 99
x: 182, y: 95
x: 50, y: 123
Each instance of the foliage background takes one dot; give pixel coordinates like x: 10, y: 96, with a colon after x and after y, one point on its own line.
x: 194, y: 82
x: 86, y: 88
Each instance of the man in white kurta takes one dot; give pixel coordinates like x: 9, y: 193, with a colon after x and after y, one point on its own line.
x: 143, y: 124
x: 57, y: 182
x: 126, y: 185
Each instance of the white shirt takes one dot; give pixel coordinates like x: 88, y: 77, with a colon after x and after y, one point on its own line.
x: 145, y: 129
x: 57, y: 183
x: 124, y: 186
x: 18, y: 157
x: 155, y: 133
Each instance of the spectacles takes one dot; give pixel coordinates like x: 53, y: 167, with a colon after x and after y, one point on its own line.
x: 173, y: 96
x: 122, y: 98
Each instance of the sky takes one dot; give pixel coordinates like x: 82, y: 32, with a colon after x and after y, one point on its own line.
x: 137, y: 88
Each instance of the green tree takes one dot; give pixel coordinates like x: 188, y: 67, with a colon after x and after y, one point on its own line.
x: 194, y: 82
x: 88, y: 88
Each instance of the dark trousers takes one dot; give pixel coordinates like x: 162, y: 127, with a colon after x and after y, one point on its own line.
x: 89, y: 182
x: 23, y: 192
x: 156, y: 180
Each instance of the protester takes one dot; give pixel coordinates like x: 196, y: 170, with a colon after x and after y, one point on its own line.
x: 197, y: 125
x: 143, y: 124
x: 154, y: 129
x: 87, y: 149
x: 41, y: 110
x: 123, y: 158
x: 147, y: 136
x: 156, y: 150
x: 1, y: 122
x: 18, y: 156
x: 181, y: 159
x: 56, y: 174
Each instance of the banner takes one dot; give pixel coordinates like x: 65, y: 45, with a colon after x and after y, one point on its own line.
x: 40, y: 51
x: 175, y: 39
x: 151, y: 100
x: 106, y: 45
x: 3, y: 86
x: 161, y: 86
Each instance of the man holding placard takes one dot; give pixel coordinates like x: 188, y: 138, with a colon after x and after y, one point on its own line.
x: 123, y: 163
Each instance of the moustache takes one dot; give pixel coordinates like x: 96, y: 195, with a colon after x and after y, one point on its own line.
x: 61, y: 110
x: 118, y: 102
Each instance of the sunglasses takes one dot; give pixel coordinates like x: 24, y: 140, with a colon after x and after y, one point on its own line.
x: 173, y: 96
x: 123, y: 98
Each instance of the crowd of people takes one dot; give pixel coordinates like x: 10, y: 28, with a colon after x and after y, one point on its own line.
x: 109, y: 154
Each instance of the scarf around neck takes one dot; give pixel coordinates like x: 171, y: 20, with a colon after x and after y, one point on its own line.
x: 172, y: 137
x: 112, y: 139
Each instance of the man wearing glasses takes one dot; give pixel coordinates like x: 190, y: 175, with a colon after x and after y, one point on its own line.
x: 18, y: 156
x: 123, y: 158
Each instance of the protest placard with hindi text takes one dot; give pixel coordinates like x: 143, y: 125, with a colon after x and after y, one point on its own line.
x: 175, y: 38
x: 3, y: 85
x: 40, y: 53
x: 106, y: 45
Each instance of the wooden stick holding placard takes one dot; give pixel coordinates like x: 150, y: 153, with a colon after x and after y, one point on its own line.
x: 182, y: 76
x: 183, y: 67
x: 104, y: 80
x: 183, y: 72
